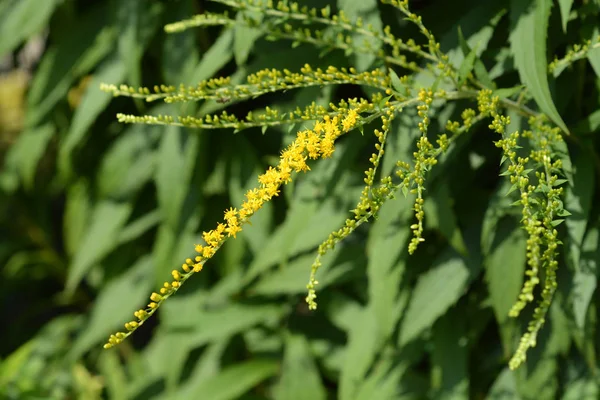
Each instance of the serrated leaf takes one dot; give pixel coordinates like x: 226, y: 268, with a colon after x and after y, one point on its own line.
x: 106, y: 221
x: 529, y: 21
x: 436, y: 291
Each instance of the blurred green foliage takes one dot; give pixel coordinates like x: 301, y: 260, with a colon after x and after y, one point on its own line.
x: 95, y: 215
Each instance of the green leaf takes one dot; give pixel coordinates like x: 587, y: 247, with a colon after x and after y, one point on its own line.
x: 466, y: 67
x: 368, y: 11
x: 505, y: 266
x: 362, y: 347
x: 298, y: 362
x: 291, y: 279
x: 25, y: 155
x: 132, y: 152
x: 565, y: 11
x: 472, y: 62
x: 244, y: 36
x: 593, y: 56
x: 219, y: 54
x: 440, y: 215
x: 24, y: 19
x: 585, y: 279
x: 584, y: 286
x: 218, y: 321
x: 435, y: 292
x: 504, y: 387
x: 578, y: 201
x: 92, y: 104
x: 107, y: 219
x: 529, y: 21
x: 115, y: 377
x: 70, y: 57
x: 397, y: 85
x: 584, y: 388
x: 136, y: 22
x: 244, y: 166
x: 450, y: 356
x: 77, y: 214
x: 180, y: 53
x: 233, y: 381
x: 386, y: 265
x: 177, y: 156
x: 16, y: 361
x: 541, y: 382
x: 506, y: 93
x: 114, y: 306
x: 382, y: 383
x: 478, y: 25
x: 138, y: 227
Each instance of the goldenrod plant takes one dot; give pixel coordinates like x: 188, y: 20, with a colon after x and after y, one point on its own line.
x: 393, y: 197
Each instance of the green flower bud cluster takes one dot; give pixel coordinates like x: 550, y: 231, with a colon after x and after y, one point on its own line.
x: 577, y: 52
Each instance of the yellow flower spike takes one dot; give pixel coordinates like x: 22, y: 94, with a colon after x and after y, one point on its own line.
x: 309, y: 144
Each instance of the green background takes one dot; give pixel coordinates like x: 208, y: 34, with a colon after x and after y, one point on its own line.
x: 95, y: 214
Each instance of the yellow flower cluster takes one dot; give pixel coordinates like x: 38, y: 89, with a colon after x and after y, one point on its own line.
x: 309, y: 144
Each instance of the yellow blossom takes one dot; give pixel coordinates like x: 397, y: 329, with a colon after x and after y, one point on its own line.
x: 350, y: 120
